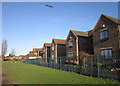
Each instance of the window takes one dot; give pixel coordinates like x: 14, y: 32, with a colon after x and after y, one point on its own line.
x: 104, y: 34
x: 52, y: 56
x: 107, y: 53
x: 70, y: 43
x: 52, y: 46
x: 41, y: 53
x: 44, y: 49
x: 70, y: 54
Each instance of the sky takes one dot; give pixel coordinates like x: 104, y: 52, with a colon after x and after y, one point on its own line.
x: 28, y: 25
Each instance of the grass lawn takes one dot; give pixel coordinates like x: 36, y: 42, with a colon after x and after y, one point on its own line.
x: 22, y: 73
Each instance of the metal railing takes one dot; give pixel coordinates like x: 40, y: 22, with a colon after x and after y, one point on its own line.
x: 96, y: 66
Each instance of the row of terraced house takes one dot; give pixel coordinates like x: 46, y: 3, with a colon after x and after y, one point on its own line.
x: 103, y: 40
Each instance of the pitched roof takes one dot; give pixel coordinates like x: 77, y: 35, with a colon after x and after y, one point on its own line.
x: 59, y: 41
x: 22, y: 55
x: 32, y: 54
x: 79, y: 33
x: 37, y: 49
x: 116, y: 20
x: 47, y: 44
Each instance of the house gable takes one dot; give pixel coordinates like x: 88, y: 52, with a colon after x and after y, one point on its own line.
x: 106, y: 34
x: 107, y: 21
x: 71, y: 49
x: 79, y: 39
x: 46, y: 50
x: 58, y: 44
x: 70, y: 34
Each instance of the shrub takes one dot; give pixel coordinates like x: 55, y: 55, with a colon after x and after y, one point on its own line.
x: 84, y: 59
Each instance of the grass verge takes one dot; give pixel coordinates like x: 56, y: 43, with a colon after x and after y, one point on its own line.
x: 22, y: 73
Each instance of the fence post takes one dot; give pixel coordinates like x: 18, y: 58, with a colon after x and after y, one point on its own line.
x: 54, y: 63
x: 98, y: 67
x: 44, y: 62
x: 60, y: 62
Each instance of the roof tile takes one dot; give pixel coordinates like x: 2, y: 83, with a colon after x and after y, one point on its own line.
x: 47, y: 44
x: 116, y: 20
x: 37, y: 49
x: 59, y: 41
x: 79, y: 33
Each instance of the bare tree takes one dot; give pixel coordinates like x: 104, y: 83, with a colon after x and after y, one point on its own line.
x: 4, y: 48
x: 13, y: 52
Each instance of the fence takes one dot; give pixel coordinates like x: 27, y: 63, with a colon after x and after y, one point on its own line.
x: 95, y: 66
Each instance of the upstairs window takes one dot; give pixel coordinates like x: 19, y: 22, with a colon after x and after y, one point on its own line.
x: 70, y: 43
x: 52, y: 46
x: 104, y: 34
x: 107, y: 53
x: 44, y: 50
x: 41, y: 53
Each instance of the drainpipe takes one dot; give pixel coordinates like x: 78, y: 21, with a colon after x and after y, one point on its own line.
x: 77, y: 54
x: 46, y: 53
x: 98, y: 66
x: 119, y: 35
x: 56, y: 53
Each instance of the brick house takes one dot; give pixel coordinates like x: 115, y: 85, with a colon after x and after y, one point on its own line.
x: 46, y: 50
x: 58, y: 48
x: 32, y: 54
x: 106, y: 36
x: 38, y: 52
x: 78, y: 41
x: 22, y: 57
